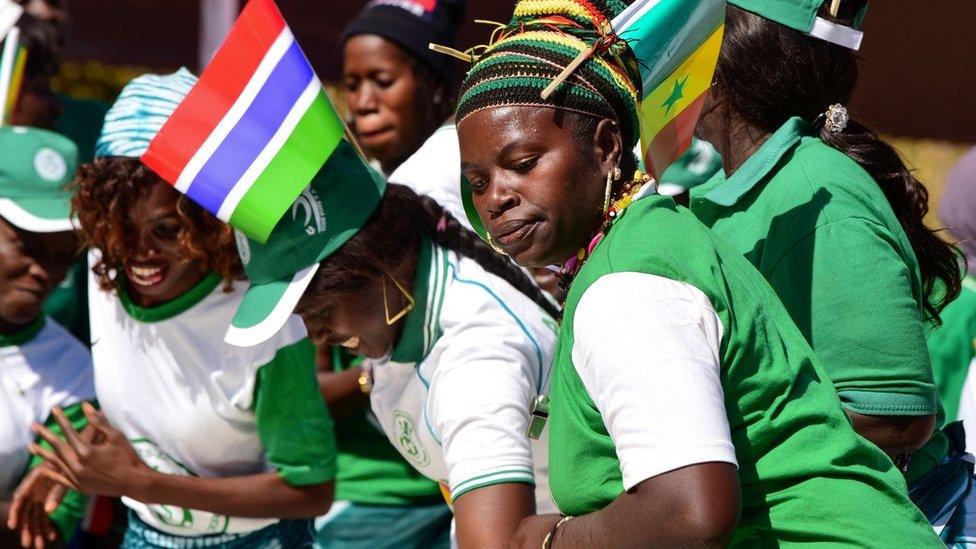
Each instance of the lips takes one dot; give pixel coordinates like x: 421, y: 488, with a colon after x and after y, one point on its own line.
x: 373, y: 135
x: 145, y: 276
x: 512, y: 232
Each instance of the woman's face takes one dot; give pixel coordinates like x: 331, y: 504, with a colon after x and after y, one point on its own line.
x: 356, y: 321
x: 157, y: 269
x: 391, y: 108
x: 31, y: 265
x: 537, y: 187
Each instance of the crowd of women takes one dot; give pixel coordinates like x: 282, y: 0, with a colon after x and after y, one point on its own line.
x: 607, y: 368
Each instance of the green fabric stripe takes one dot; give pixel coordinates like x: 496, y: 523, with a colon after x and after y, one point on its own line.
x: 290, y: 171
x: 291, y: 418
x: 171, y: 308
x: 410, y: 347
x: 25, y: 335
x: 521, y: 475
x: 439, y: 305
x: 888, y: 404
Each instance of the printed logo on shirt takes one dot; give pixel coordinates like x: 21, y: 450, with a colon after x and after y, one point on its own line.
x: 406, y: 436
x: 309, y: 204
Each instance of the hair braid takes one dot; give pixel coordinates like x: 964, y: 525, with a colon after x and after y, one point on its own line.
x: 445, y: 230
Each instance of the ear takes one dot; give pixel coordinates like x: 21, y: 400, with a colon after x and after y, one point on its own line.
x: 608, y: 144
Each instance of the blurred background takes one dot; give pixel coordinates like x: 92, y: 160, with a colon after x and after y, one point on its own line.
x: 917, y: 61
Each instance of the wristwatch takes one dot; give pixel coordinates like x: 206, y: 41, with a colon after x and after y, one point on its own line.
x: 366, y: 378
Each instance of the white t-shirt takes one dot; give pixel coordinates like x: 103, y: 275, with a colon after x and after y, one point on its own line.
x: 662, y: 399
x: 967, y: 407
x: 455, y: 394
x: 435, y: 171
x: 183, y: 396
x: 50, y: 369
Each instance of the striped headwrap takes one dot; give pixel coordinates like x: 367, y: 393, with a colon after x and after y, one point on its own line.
x: 543, y: 37
x: 142, y: 108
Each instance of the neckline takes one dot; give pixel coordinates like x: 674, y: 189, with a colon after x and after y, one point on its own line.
x: 24, y: 335
x: 171, y: 308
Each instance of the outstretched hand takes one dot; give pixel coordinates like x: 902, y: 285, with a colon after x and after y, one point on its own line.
x: 103, y: 464
x: 36, y: 496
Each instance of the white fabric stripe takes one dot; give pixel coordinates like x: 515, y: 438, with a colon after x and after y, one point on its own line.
x: 9, y: 14
x: 27, y: 221
x: 270, y: 150
x: 633, y: 12
x: 236, y: 111
x: 508, y: 472
x: 264, y: 330
x: 432, y: 279
x: 836, y: 34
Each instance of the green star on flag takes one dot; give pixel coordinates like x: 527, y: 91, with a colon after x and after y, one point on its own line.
x: 676, y: 94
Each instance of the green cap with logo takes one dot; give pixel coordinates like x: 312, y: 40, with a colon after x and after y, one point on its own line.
x: 802, y: 15
x: 331, y: 210
x: 35, y: 168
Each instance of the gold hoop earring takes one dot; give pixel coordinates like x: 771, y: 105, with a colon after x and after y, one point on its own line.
x: 386, y: 305
x: 494, y: 245
x: 612, y: 175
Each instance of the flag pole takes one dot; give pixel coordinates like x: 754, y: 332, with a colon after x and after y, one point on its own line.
x: 7, y: 68
x: 350, y: 137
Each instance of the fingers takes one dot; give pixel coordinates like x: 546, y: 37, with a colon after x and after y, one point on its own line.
x: 69, y: 431
x: 54, y: 497
x: 97, y: 419
x: 64, y: 474
x: 59, y: 445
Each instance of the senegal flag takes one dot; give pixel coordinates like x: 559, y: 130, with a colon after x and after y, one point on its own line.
x: 676, y: 43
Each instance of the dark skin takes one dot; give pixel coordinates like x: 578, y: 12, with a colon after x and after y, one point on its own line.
x: 107, y: 464
x: 895, y: 435
x: 394, y: 111
x: 485, y: 517
x: 31, y: 266
x: 532, y: 174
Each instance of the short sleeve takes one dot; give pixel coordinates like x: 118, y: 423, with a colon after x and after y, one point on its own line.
x: 658, y: 386
x: 854, y: 299
x: 479, y: 402
x: 292, y: 420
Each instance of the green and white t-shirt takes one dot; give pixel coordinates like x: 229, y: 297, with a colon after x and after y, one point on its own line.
x: 41, y: 367
x: 454, y: 395
x: 682, y: 354
x: 194, y: 405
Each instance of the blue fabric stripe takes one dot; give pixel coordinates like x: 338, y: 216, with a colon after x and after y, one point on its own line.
x: 260, y: 122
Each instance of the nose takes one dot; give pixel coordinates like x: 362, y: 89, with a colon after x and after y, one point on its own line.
x: 141, y: 244
x: 499, y: 197
x: 364, y: 99
x: 39, y: 273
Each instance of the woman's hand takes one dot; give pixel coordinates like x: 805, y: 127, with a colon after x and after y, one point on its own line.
x: 36, y: 496
x: 105, y: 465
x: 532, y: 531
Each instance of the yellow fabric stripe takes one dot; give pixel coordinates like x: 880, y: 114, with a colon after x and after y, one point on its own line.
x: 694, y: 74
x: 548, y: 7
x: 577, y: 46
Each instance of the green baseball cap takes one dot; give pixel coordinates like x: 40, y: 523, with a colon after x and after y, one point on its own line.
x: 337, y: 203
x: 802, y: 16
x: 35, y: 169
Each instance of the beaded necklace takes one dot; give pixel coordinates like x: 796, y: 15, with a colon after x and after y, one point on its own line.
x: 623, y: 198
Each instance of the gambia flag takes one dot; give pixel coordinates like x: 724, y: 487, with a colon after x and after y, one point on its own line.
x: 676, y: 43
x: 255, y: 129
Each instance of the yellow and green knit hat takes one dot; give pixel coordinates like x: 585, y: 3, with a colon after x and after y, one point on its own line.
x: 543, y: 37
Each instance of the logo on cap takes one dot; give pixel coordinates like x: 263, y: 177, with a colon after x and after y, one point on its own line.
x: 243, y: 247
x: 50, y: 165
x: 314, y: 216
x: 417, y: 7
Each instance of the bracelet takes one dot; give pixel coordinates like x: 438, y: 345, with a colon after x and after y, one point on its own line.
x: 366, y: 378
x: 547, y: 541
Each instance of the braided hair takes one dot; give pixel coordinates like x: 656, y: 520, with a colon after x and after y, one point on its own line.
x: 393, y: 233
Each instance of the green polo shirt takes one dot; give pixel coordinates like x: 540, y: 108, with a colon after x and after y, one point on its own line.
x: 819, y: 228
x: 953, y: 345
x: 805, y: 475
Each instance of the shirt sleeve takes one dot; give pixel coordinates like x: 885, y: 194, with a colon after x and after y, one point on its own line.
x: 479, y: 401
x: 646, y: 349
x: 852, y: 296
x: 292, y: 420
x: 72, y: 508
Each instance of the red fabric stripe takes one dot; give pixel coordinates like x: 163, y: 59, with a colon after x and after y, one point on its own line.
x: 674, y: 139
x: 220, y: 84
